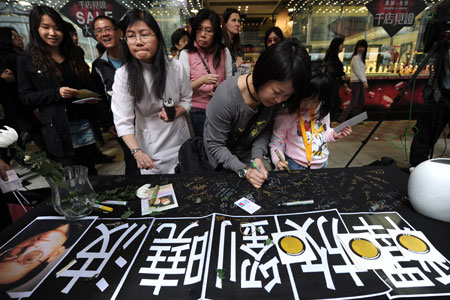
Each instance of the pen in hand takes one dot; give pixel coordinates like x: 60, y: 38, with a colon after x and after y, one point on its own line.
x: 282, y: 160
x: 254, y: 165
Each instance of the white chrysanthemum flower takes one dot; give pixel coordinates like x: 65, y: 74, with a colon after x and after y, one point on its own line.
x: 8, y: 137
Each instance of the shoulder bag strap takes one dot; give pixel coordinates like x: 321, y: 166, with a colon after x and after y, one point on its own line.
x: 204, y: 63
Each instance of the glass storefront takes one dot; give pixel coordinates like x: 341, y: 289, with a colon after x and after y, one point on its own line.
x: 315, y: 27
x: 386, y: 56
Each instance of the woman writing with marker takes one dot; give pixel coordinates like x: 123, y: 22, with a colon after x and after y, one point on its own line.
x: 240, y: 116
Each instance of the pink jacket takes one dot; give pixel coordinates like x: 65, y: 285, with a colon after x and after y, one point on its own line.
x: 287, y: 138
x: 195, y: 69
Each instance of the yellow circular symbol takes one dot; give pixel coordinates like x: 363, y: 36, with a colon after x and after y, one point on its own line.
x: 364, y: 248
x: 291, y: 245
x: 413, y: 243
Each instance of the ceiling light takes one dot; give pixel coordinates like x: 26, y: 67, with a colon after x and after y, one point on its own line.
x: 24, y: 3
x: 194, y: 11
x: 290, y: 9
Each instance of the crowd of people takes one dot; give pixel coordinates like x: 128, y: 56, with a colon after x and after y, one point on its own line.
x: 276, y: 117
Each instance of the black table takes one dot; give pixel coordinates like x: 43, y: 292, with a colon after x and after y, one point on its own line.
x: 339, y: 194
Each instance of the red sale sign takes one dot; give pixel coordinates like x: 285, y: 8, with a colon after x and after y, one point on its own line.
x: 83, y: 13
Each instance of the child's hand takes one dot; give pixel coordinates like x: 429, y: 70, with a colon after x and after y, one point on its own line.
x: 345, y: 132
x: 281, y: 165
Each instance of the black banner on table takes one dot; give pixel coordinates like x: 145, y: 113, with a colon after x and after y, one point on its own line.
x: 288, y: 256
x: 393, y: 15
x: 83, y: 13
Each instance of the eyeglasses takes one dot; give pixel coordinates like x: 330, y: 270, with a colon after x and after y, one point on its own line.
x: 20, y: 255
x: 274, y: 40
x: 143, y: 37
x: 103, y: 31
x: 16, y: 37
x: 207, y: 31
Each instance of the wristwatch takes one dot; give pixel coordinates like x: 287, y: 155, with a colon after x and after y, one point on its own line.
x: 133, y: 152
x: 242, y: 172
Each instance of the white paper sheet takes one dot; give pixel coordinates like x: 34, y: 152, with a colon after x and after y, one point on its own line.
x: 415, y: 245
x: 365, y: 252
x: 293, y: 247
x: 351, y: 122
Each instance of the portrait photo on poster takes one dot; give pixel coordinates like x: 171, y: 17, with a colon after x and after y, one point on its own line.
x: 28, y: 258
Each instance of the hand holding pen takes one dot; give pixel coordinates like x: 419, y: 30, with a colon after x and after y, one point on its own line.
x: 282, y: 164
x: 257, y: 174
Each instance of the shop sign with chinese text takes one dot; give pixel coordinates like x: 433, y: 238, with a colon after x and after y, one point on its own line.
x: 393, y: 15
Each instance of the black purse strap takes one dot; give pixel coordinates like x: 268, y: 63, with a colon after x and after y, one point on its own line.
x: 204, y: 63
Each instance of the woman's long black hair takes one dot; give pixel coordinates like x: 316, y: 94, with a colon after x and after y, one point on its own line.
x: 364, y: 44
x: 333, y: 49
x: 6, y: 42
x: 275, y: 30
x: 136, y: 83
x: 236, y: 45
x: 321, y: 86
x: 217, y: 46
x: 41, y: 57
x: 6, y: 45
x: 284, y: 61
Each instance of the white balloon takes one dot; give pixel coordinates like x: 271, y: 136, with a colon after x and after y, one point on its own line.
x: 429, y: 188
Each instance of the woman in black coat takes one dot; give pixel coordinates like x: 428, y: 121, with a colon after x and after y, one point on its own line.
x: 50, y: 74
x: 332, y: 59
x: 17, y: 115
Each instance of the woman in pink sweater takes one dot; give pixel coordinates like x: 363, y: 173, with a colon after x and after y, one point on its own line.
x: 207, y: 62
x: 301, y: 137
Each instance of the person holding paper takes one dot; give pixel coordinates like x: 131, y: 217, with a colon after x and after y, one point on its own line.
x: 302, y: 136
x: 140, y: 88
x: 3, y: 168
x: 50, y: 74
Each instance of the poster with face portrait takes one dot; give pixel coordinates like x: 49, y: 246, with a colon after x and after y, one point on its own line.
x: 30, y: 256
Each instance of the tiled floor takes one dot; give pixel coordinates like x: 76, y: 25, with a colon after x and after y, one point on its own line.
x: 391, y: 139
x: 387, y: 141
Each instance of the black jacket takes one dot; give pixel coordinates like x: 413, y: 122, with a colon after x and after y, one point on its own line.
x: 103, y: 73
x: 42, y: 92
x: 337, y: 67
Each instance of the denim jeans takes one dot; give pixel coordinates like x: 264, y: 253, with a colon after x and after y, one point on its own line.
x: 198, y: 117
x: 295, y: 166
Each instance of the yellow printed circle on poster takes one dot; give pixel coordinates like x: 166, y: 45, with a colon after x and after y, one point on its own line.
x: 413, y: 243
x: 364, y: 248
x: 291, y: 245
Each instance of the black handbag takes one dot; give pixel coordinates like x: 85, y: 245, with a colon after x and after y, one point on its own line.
x: 192, y: 157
